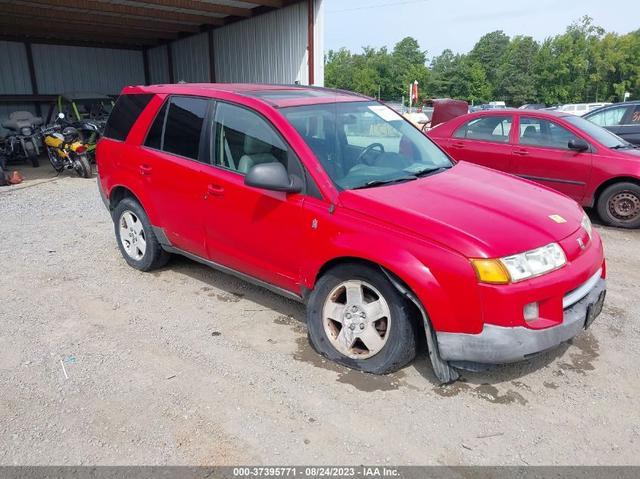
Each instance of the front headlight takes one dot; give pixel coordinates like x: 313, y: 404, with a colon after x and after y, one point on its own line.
x: 586, y: 224
x: 519, y: 267
x: 26, y: 131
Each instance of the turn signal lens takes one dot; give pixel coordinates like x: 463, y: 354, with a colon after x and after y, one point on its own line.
x: 81, y: 149
x: 491, y: 271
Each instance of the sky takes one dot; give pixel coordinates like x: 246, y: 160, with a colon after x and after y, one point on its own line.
x: 458, y: 24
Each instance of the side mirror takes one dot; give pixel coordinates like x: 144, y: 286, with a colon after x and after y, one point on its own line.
x: 578, y: 144
x: 272, y: 176
x: 61, y: 115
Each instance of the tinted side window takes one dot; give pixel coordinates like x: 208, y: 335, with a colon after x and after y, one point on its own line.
x: 183, y: 126
x: 124, y: 115
x: 244, y: 139
x: 154, y: 137
x: 489, y: 128
x: 544, y: 133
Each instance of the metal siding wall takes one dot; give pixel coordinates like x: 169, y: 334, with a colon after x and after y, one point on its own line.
x: 191, y: 59
x: 14, y: 73
x: 62, y: 68
x: 271, y: 48
x: 158, y: 65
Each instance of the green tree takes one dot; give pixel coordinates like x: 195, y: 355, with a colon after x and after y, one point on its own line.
x: 516, y: 78
x: 489, y: 53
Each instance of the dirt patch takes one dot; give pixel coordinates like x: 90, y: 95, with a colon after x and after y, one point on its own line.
x: 487, y: 392
x: 357, y: 379
x: 582, y: 360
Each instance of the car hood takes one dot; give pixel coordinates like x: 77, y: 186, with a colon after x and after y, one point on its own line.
x: 474, y: 210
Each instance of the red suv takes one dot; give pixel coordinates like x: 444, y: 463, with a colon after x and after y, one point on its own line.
x: 334, y: 199
x: 560, y: 150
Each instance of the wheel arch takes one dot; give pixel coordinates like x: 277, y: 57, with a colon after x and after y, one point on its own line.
x: 606, y: 184
x: 120, y: 192
x: 442, y: 370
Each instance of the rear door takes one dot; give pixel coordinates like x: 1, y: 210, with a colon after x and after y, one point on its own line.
x: 254, y: 231
x: 542, y: 154
x: 171, y: 161
x: 484, y: 140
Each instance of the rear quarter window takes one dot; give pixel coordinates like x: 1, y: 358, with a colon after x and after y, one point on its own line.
x: 124, y: 115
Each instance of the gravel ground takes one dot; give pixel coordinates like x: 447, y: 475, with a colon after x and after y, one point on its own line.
x: 102, y: 364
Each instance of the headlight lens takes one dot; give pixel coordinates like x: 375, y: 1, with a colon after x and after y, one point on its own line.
x: 535, y: 262
x: 519, y: 267
x: 26, y: 131
x: 586, y: 224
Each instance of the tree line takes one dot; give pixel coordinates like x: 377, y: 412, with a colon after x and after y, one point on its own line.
x: 583, y: 64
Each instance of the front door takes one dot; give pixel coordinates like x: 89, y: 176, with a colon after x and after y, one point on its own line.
x: 542, y: 155
x: 257, y: 232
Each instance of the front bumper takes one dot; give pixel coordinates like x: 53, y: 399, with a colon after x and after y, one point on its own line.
x: 499, y: 344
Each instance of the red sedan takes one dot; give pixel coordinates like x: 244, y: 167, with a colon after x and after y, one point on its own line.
x: 562, y: 151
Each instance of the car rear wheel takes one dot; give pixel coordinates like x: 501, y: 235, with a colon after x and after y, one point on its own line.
x: 136, y: 239
x: 357, y: 318
x: 619, y: 205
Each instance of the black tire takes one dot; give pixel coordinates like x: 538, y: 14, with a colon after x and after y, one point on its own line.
x: 400, y: 346
x: 33, y: 159
x: 627, y: 197
x: 56, y: 163
x: 83, y: 167
x: 154, y: 257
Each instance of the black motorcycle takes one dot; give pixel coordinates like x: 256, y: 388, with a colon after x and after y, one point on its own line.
x: 22, y: 143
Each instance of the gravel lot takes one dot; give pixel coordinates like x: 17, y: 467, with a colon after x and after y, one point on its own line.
x: 191, y: 366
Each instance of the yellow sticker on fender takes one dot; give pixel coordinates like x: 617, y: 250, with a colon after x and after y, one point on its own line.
x: 557, y: 218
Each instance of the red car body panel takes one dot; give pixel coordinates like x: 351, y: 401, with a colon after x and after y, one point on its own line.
x: 580, y: 175
x: 424, y: 232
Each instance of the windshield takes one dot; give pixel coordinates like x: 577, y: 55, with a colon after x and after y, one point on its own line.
x: 365, y: 144
x: 598, y: 133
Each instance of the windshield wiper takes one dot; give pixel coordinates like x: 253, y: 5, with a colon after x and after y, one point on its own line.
x: 373, y: 183
x: 430, y: 171
x: 622, y: 146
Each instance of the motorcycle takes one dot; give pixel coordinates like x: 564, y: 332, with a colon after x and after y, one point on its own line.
x: 22, y: 143
x: 65, y: 150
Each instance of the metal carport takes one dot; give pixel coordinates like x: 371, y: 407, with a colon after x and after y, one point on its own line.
x: 53, y: 46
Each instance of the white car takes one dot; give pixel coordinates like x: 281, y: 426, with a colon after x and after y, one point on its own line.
x: 580, y: 109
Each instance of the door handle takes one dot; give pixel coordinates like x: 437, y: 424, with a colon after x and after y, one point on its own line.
x: 520, y: 152
x: 458, y: 144
x: 215, y: 190
x: 145, y: 170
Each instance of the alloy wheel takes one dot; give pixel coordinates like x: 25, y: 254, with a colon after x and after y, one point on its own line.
x: 356, y: 319
x: 132, y: 235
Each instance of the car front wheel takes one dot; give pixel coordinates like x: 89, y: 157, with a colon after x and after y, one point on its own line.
x: 357, y: 318
x: 619, y: 205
